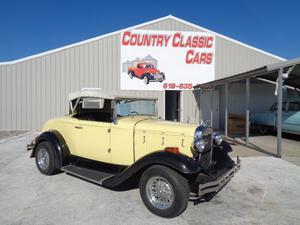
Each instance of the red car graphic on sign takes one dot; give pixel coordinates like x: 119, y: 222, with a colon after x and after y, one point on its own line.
x: 147, y: 72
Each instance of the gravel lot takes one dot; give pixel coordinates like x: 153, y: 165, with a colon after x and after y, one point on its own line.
x: 264, y: 191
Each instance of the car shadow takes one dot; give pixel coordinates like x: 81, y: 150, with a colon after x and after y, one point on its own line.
x: 133, y: 183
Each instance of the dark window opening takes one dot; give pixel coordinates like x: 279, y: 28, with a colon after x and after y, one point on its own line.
x: 172, y: 105
x: 100, y: 115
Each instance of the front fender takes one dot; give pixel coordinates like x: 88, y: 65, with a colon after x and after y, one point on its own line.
x: 179, y: 162
x: 220, y: 155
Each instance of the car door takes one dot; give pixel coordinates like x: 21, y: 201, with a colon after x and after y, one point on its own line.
x: 291, y: 117
x: 93, y: 140
x: 140, y: 71
x: 274, y: 109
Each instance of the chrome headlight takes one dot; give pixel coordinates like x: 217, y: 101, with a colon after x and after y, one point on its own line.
x: 198, y: 134
x: 218, y: 139
x: 199, y: 145
x: 202, y: 138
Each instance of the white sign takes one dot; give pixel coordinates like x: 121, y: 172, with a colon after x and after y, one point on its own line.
x: 166, y: 60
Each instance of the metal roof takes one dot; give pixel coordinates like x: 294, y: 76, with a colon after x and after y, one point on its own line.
x: 94, y: 93
x: 267, y: 72
x: 283, y: 64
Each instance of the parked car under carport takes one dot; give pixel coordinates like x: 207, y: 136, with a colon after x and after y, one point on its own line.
x: 267, y: 120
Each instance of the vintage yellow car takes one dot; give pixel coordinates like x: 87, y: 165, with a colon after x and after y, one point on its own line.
x: 110, y: 139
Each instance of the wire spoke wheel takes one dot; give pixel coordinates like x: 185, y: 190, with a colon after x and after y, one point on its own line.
x: 164, y: 192
x: 160, y: 192
x: 43, y: 159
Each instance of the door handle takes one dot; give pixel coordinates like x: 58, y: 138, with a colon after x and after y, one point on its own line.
x: 78, y: 127
x: 162, y: 140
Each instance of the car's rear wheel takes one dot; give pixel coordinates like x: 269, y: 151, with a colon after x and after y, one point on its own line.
x: 46, y: 159
x: 164, y: 192
x: 130, y: 75
x: 146, y: 80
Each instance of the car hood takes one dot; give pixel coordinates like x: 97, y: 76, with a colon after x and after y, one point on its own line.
x: 152, y: 134
x: 155, y: 124
x: 153, y: 71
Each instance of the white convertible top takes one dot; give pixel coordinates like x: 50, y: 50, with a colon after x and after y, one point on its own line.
x: 97, y: 93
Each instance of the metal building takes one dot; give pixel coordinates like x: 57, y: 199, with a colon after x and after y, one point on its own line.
x: 35, y: 88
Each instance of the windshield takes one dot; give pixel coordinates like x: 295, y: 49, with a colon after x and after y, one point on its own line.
x: 136, y: 107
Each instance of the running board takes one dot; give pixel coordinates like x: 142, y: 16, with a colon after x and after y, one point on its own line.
x: 94, y: 176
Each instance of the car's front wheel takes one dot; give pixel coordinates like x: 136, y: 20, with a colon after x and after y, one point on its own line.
x: 45, y: 158
x: 163, y: 77
x: 164, y: 191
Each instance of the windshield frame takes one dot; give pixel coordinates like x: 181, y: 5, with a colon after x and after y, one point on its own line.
x: 114, y: 106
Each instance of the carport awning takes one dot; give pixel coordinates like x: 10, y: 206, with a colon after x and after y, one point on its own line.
x: 293, y: 78
x: 268, y: 72
x: 284, y: 73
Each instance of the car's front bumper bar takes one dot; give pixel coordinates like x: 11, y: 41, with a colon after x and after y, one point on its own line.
x: 219, y: 183
x: 213, y: 186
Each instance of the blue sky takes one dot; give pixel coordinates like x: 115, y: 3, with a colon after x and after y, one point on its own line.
x: 29, y: 27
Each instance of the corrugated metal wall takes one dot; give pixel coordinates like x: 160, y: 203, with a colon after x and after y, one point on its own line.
x: 35, y: 90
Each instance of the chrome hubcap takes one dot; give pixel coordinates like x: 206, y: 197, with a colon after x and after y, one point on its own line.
x: 145, y: 80
x: 159, y: 192
x: 43, y: 159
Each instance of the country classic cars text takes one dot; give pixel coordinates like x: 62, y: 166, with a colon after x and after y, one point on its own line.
x: 176, y: 40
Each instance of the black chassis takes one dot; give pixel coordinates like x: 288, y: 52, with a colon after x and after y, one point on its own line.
x: 202, y: 182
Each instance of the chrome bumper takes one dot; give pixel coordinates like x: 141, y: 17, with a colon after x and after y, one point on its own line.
x: 30, y: 147
x: 215, y: 186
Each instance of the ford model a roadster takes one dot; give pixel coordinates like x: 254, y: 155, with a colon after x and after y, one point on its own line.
x: 109, y: 139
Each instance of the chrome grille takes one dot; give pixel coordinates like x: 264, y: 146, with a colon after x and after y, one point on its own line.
x: 206, y: 155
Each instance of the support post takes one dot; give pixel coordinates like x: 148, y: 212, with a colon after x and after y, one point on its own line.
x: 211, y: 106
x: 247, y: 109
x: 279, y: 113
x: 200, y: 108
x: 226, y: 110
